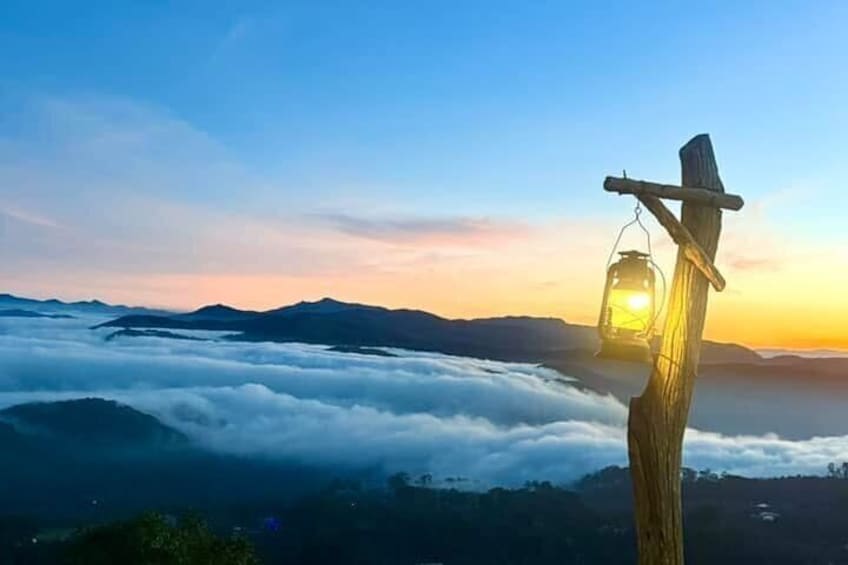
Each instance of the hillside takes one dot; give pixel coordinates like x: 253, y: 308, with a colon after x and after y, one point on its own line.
x: 91, y: 422
x: 91, y: 459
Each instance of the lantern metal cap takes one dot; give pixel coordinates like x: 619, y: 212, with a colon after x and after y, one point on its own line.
x: 633, y: 253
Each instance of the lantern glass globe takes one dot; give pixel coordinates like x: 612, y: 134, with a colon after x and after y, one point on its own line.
x: 630, y: 310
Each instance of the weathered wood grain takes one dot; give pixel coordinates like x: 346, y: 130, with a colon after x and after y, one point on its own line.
x: 684, y: 239
x: 687, y: 193
x: 658, y: 417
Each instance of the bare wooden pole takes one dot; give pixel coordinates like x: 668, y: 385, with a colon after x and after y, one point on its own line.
x: 658, y: 417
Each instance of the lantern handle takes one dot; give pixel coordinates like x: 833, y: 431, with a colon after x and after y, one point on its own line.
x: 661, y: 302
x: 637, y: 211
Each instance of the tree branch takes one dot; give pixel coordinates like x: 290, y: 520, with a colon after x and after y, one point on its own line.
x: 681, y: 236
x: 703, y: 196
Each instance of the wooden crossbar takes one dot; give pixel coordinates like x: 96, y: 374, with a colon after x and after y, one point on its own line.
x: 690, y: 194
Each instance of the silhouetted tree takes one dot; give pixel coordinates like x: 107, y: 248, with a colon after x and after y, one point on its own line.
x: 835, y: 471
x: 707, y: 475
x: 398, y: 482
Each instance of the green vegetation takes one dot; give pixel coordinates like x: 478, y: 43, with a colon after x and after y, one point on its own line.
x: 152, y: 539
x: 729, y: 519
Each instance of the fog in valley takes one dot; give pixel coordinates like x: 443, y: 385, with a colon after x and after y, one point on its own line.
x: 489, y: 422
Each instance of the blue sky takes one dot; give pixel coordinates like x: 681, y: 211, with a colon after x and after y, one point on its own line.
x: 403, y: 117
x: 494, y: 98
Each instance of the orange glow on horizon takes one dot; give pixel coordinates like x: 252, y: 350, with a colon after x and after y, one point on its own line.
x: 770, y: 319
x: 555, y: 271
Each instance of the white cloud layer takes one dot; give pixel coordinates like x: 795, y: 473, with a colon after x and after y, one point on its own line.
x: 492, y: 422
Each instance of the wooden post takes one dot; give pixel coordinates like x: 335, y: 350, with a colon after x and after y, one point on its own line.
x: 658, y: 417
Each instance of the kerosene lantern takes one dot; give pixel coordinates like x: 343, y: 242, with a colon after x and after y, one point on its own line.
x: 626, y: 323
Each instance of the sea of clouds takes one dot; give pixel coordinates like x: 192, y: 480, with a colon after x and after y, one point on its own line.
x: 487, y: 421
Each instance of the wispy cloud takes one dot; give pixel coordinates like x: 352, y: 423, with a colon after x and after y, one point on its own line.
x: 156, y: 210
x: 237, y: 31
x: 28, y: 217
x: 441, y: 230
x: 748, y: 263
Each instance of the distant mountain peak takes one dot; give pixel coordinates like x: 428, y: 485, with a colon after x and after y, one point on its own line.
x: 215, y: 312
x: 215, y: 308
x: 325, y: 301
x: 325, y: 305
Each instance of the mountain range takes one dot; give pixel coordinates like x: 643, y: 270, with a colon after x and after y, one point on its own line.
x: 332, y: 322
x: 51, y: 306
x: 737, y: 389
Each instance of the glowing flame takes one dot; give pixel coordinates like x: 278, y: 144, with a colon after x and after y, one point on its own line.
x: 638, y: 301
